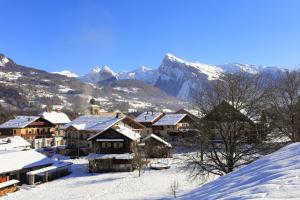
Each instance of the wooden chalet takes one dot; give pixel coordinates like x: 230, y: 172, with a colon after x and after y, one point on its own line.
x: 147, y: 119
x: 112, y: 149
x: 28, y: 127
x: 226, y: 113
x: 84, y: 127
x: 172, y: 125
x: 15, y: 164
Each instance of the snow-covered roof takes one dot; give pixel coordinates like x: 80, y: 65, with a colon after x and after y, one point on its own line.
x: 122, y: 130
x: 53, y: 167
x: 19, y: 122
x: 148, y: 116
x: 125, y: 156
x: 13, y: 143
x: 169, y: 119
x: 127, y: 132
x: 157, y: 138
x: 17, y: 160
x: 8, y: 183
x: 93, y: 122
x: 55, y: 117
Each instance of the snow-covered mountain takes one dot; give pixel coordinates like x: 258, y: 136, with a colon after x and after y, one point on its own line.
x: 143, y: 73
x: 67, y: 73
x: 181, y: 78
x: 28, y: 88
x: 100, y: 76
x: 3, y: 60
x: 176, y: 76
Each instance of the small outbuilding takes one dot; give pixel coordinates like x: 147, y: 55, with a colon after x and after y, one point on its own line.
x: 156, y: 147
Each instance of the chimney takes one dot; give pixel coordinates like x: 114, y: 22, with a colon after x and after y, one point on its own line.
x: 48, y: 109
x: 145, y: 117
x: 118, y: 115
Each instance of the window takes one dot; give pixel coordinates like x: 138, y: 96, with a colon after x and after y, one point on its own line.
x: 118, y: 145
x: 106, y: 145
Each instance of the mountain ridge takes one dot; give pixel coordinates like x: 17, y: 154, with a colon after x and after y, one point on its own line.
x: 180, y: 78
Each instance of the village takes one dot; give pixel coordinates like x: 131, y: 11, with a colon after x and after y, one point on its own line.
x: 37, y: 149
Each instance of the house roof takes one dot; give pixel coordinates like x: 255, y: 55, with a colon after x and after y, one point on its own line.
x: 148, y: 116
x: 127, y: 132
x: 55, y: 117
x: 170, y: 119
x: 93, y: 122
x: 157, y: 138
x: 13, y: 143
x: 19, y: 122
x: 184, y: 111
x: 17, y: 160
x: 226, y: 112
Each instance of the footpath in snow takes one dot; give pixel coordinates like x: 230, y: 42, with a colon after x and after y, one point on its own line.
x: 275, y: 176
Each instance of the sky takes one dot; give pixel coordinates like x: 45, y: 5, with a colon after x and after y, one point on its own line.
x: 78, y: 35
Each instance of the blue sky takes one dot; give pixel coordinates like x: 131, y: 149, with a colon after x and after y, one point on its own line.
x: 78, y: 35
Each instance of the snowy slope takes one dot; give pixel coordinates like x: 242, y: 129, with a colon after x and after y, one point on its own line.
x: 3, y: 60
x: 275, y: 176
x: 67, y: 73
x: 143, y: 73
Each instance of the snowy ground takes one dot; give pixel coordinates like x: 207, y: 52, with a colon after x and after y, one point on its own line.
x: 275, y: 176
x: 126, y: 185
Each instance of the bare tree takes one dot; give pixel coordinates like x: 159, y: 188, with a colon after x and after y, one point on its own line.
x: 139, y: 160
x: 174, y: 188
x: 285, y: 104
x: 227, y: 136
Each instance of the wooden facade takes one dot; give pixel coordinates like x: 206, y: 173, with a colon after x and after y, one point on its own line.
x: 166, y: 130
x: 40, y: 128
x: 112, y: 142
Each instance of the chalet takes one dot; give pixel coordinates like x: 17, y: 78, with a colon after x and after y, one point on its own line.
x: 171, y: 124
x: 112, y: 149
x: 148, y: 119
x: 28, y: 127
x: 59, y: 119
x: 15, y: 164
x: 184, y: 111
x: 84, y: 127
x: 156, y: 147
x: 26, y: 167
x: 226, y: 113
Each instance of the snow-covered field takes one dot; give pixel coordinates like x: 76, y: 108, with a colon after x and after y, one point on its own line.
x: 126, y: 185
x: 275, y: 176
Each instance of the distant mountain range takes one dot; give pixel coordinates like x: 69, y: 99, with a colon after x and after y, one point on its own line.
x: 175, y: 76
x: 28, y: 88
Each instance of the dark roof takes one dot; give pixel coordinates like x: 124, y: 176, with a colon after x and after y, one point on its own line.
x: 184, y: 111
x: 226, y: 113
